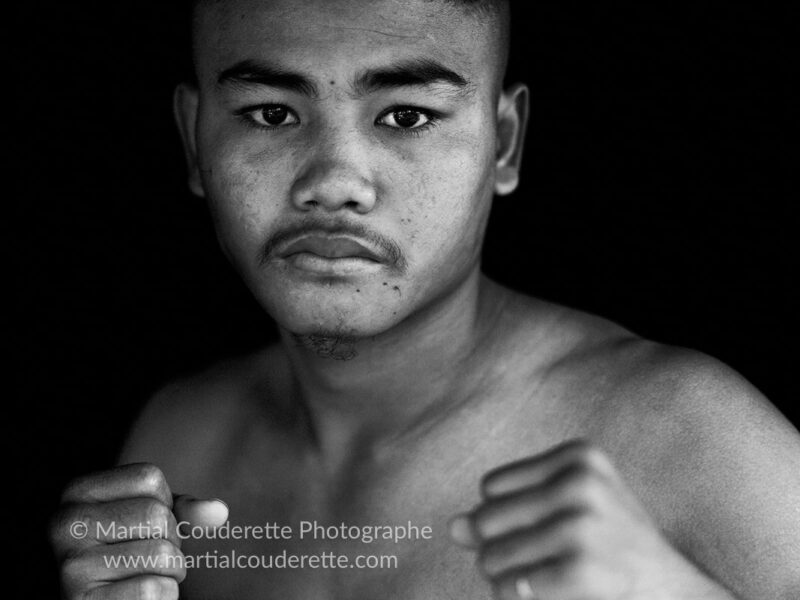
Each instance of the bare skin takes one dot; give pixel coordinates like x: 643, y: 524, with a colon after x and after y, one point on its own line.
x: 679, y: 427
x: 407, y: 386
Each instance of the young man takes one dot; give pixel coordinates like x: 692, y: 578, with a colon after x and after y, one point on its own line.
x: 349, y: 151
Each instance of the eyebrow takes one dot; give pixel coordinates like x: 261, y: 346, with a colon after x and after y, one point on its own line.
x: 411, y: 73
x: 419, y: 72
x: 248, y: 73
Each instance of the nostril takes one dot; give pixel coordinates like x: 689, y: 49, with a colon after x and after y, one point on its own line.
x: 333, y: 187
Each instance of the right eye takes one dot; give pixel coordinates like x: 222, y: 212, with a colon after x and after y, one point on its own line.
x: 270, y: 116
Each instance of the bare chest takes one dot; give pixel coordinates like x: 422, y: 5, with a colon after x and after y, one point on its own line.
x: 382, y: 536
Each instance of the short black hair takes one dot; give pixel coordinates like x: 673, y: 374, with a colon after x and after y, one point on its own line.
x: 481, y: 7
x: 489, y: 9
x: 488, y: 6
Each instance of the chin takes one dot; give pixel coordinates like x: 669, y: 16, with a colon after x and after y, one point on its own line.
x: 350, y: 316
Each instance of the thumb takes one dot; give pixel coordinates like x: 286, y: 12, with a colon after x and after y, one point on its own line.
x: 197, y: 511
x: 462, y: 531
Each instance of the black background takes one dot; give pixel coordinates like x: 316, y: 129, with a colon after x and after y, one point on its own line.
x: 656, y: 192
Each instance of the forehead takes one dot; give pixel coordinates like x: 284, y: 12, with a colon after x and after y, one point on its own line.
x: 325, y: 35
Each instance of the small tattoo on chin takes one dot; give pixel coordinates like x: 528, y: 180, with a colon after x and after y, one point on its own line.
x: 328, y: 345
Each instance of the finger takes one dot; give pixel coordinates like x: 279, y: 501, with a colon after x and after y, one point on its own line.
x: 558, y: 535
x: 122, y: 561
x: 536, y: 470
x: 128, y: 481
x: 201, y: 512
x: 143, y: 587
x: 559, y: 578
x: 84, y: 525
x: 462, y: 532
x: 528, y: 584
x: 575, y: 487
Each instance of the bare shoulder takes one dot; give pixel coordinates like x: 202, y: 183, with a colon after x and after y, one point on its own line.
x: 191, y: 421
x: 692, y: 411
x: 623, y: 386
x: 713, y: 460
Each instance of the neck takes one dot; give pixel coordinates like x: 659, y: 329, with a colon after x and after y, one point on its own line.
x: 396, y: 383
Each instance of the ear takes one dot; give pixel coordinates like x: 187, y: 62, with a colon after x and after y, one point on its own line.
x: 184, y: 105
x: 512, y: 120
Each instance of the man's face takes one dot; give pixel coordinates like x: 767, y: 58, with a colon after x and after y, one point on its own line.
x: 347, y: 149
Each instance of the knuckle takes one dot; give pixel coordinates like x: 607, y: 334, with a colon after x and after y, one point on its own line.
x: 172, y: 560
x: 161, y: 549
x: 169, y: 589
x: 168, y: 558
x: 591, y: 456
x: 157, y: 514
x: 589, y: 490
x: 595, y: 458
x: 149, y: 588
x: 582, y: 485
x: 180, y: 573
x: 149, y: 476
x: 581, y: 529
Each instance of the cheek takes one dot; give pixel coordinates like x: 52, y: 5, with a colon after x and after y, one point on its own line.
x: 244, y: 188
x: 448, y: 207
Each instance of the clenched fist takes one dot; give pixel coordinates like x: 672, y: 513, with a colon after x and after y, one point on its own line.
x: 564, y: 526
x: 125, y: 514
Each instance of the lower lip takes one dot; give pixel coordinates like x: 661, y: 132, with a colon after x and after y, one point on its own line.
x: 324, y: 265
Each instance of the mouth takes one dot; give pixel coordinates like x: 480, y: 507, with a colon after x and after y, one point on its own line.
x: 330, y: 248
x: 331, y: 256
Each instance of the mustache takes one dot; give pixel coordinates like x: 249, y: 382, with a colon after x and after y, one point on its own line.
x: 386, y: 248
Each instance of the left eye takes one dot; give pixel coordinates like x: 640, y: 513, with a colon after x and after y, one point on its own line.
x: 273, y: 115
x: 405, y: 118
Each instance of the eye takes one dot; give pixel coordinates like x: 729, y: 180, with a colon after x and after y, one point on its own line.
x: 270, y: 115
x: 407, y: 118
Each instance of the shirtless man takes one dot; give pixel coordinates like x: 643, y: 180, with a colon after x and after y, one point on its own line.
x: 349, y: 151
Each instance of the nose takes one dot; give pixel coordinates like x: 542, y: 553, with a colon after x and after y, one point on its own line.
x: 336, y: 176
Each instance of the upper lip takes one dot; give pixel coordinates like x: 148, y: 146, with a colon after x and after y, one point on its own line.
x: 330, y: 247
